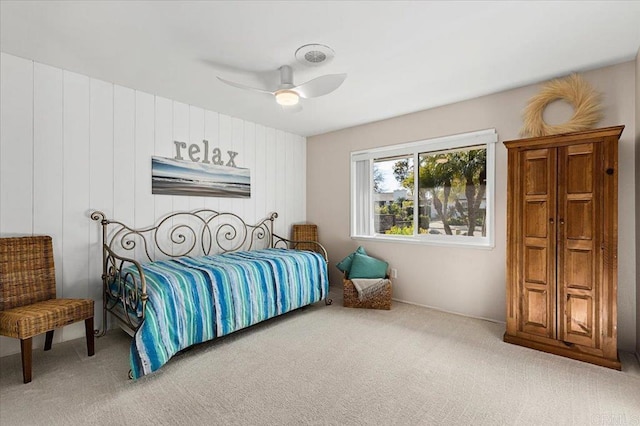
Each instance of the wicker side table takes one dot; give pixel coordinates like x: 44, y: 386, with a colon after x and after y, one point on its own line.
x: 381, y: 300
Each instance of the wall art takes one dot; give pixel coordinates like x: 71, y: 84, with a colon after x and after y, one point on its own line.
x: 175, y: 177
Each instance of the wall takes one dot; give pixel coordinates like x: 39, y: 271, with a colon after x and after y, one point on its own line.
x: 70, y: 144
x: 638, y: 205
x: 464, y: 280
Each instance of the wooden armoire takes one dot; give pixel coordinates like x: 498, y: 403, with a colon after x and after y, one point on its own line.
x: 562, y: 241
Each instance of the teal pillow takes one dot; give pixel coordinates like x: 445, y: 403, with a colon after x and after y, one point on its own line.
x: 345, y: 264
x: 364, y: 266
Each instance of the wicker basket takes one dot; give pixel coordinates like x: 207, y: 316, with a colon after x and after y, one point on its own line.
x: 306, y: 232
x: 382, y: 300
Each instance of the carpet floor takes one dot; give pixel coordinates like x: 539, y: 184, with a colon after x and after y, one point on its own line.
x: 326, y: 365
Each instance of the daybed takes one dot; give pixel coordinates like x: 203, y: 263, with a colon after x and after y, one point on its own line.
x: 200, y: 275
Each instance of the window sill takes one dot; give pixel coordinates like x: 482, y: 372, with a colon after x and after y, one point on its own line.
x: 450, y: 241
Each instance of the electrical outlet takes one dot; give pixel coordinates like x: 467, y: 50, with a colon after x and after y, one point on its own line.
x: 394, y: 273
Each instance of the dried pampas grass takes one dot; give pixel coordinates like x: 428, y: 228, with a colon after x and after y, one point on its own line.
x: 572, y: 89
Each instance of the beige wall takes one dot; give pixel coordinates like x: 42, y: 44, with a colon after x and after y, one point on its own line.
x: 466, y: 280
x: 638, y: 205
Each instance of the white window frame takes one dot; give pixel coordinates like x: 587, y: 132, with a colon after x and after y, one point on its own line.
x: 362, y: 189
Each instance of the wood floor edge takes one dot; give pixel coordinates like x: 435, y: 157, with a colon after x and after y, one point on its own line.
x: 568, y: 353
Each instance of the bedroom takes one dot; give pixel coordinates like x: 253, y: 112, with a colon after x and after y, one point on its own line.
x: 81, y: 117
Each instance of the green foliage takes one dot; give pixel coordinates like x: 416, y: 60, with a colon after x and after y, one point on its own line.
x: 401, y: 171
x: 393, y: 208
x: 404, y: 230
x: 447, y: 179
x: 402, y: 209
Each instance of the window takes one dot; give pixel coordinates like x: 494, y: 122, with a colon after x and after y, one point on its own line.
x: 450, y: 202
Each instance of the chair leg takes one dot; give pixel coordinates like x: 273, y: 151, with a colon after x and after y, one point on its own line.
x: 48, y: 340
x: 88, y: 326
x: 26, y: 346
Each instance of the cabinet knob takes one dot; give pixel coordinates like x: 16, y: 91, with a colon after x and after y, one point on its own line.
x: 551, y: 221
x: 561, y: 221
x: 609, y: 171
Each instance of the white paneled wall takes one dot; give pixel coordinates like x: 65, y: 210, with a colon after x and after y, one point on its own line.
x: 47, y: 146
x: 70, y: 144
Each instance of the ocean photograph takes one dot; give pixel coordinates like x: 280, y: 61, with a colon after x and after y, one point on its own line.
x: 177, y: 177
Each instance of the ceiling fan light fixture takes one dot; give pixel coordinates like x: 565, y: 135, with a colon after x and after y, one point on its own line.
x: 287, y: 97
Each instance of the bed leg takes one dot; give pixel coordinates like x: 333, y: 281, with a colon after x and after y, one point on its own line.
x: 130, y: 374
x: 328, y: 301
x: 98, y: 332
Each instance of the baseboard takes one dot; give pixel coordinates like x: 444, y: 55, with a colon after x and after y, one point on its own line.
x: 448, y: 312
x: 11, y: 346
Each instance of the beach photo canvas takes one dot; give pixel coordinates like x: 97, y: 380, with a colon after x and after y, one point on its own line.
x: 177, y: 177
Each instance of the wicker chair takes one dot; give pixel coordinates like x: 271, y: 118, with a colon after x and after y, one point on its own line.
x: 28, y: 304
x: 306, y: 232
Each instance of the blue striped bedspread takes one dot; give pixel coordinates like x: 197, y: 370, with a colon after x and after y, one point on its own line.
x: 193, y: 300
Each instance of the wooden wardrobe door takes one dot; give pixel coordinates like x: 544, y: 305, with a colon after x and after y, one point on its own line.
x: 537, y: 252
x: 578, y: 239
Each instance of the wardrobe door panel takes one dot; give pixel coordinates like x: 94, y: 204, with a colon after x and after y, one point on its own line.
x: 536, y: 172
x: 535, y: 259
x: 537, y: 252
x: 580, y: 225
x: 578, y: 266
x: 579, y: 314
x: 536, y: 213
x: 579, y: 165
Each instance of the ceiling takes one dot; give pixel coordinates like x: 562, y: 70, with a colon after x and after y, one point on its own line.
x: 400, y: 57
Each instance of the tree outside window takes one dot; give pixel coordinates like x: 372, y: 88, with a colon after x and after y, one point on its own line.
x: 451, y: 194
x: 448, y: 202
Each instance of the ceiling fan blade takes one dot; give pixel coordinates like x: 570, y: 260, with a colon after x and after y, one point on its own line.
x: 320, y: 86
x: 292, y: 108
x: 242, y: 86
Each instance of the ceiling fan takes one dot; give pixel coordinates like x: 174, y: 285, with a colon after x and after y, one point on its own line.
x: 288, y: 95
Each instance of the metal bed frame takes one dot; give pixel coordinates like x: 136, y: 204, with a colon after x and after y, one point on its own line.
x: 197, y: 233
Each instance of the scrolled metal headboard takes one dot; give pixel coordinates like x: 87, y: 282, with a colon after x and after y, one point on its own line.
x: 200, y: 232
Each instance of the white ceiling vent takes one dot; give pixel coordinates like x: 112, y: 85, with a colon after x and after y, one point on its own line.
x: 314, y: 55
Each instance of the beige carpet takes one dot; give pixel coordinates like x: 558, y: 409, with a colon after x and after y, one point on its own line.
x: 326, y: 365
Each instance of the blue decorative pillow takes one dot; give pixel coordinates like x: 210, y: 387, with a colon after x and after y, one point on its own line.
x: 364, y: 266
x: 345, y: 264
